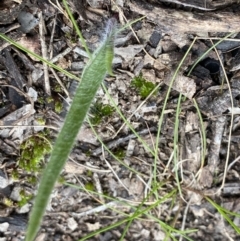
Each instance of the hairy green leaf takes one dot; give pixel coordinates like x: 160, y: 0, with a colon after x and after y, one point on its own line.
x: 92, y: 76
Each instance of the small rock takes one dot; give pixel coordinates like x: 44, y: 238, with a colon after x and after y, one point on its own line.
x: 145, y: 233
x: 32, y: 94
x: 24, y: 209
x: 155, y: 38
x: 15, y: 195
x: 4, y: 227
x: 197, y: 210
x: 72, y: 224
x: 93, y: 227
x: 158, y: 235
x: 149, y: 75
x: 27, y: 21
x: 128, y: 53
x: 36, y: 75
x: 86, y: 135
x: 40, y: 237
x: 3, y: 182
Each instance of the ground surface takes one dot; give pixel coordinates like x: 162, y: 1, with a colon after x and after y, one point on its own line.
x: 33, y: 94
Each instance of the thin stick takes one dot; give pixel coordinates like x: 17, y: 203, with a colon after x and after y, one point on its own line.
x: 231, y: 120
x: 60, y: 82
x: 44, y: 53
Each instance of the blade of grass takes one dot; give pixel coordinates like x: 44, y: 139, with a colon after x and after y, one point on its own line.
x: 139, y: 212
x: 203, y: 134
x: 92, y: 77
x: 231, y: 120
x: 139, y: 208
x: 166, y: 227
x: 178, y: 109
x: 39, y: 57
x: 175, y: 141
x: 163, y: 109
x: 212, y: 47
x: 127, y: 122
x: 110, y: 152
x: 77, y: 29
x: 231, y: 98
x: 224, y: 212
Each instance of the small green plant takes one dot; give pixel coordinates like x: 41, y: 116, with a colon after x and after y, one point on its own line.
x: 33, y: 151
x: 143, y: 86
x: 89, y: 186
x: 58, y: 107
x: 58, y: 88
x: 119, y: 153
x: 15, y: 175
x: 32, y: 180
x: 98, y: 111
x: 61, y: 180
x: 7, y: 202
x: 49, y: 99
x: 25, y: 198
x: 40, y: 100
x: 41, y: 121
x: 89, y: 173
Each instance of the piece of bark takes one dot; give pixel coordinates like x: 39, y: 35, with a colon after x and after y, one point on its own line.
x: 206, y: 5
x: 192, y: 144
x: 13, y: 70
x: 205, y: 178
x: 79, y: 6
x: 231, y: 189
x: 172, y: 20
x: 213, y: 155
x: 235, y: 65
x: 214, y: 101
x: 182, y: 84
x: 18, y: 115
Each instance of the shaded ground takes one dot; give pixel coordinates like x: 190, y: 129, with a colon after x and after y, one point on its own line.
x: 32, y: 94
